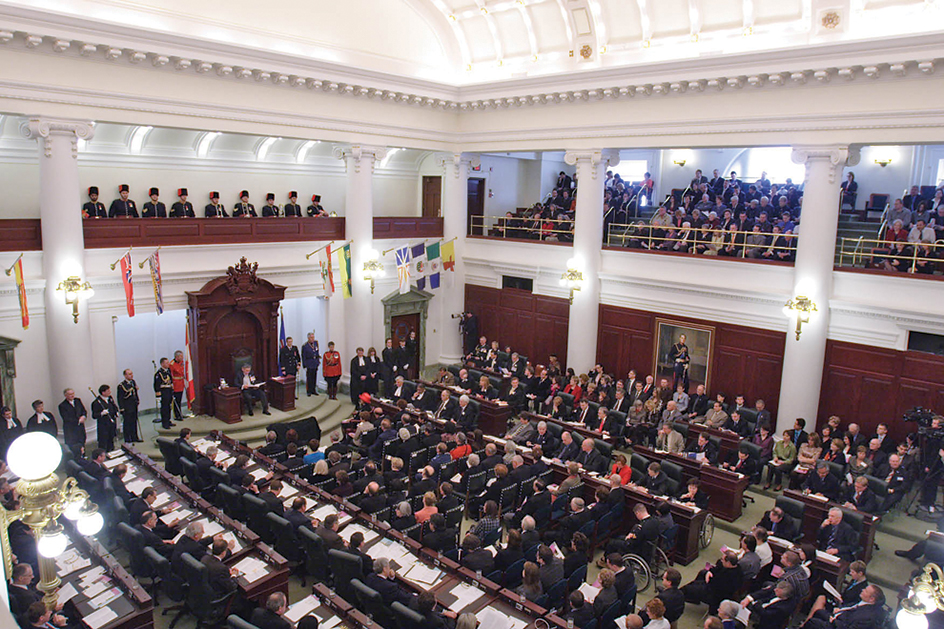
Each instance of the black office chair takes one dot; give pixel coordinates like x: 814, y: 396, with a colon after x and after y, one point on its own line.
x: 171, y: 584
x: 405, y: 616
x: 287, y: 544
x: 880, y: 489
x: 192, y: 474
x: 316, y: 559
x: 232, y: 502
x: 202, y: 602
x: 346, y: 568
x: 235, y: 622
x: 133, y: 543
x: 217, y: 477
x: 171, y: 455
x: 187, y: 451
x: 672, y: 470
x: 370, y: 601
x: 795, y: 509
x: 855, y: 519
x: 256, y: 510
x: 639, y: 462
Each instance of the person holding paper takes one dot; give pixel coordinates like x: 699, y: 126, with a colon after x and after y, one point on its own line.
x: 148, y: 523
x: 383, y: 581
x: 824, y: 605
x: 22, y: 592
x: 252, y: 389
x: 607, y: 594
x: 38, y: 616
x: 580, y: 612
x: 867, y: 612
x: 774, y: 611
x: 837, y: 537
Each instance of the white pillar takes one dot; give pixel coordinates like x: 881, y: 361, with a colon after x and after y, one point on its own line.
x: 359, y: 227
x: 588, y: 240
x: 455, y: 203
x: 70, y: 344
x: 803, y: 359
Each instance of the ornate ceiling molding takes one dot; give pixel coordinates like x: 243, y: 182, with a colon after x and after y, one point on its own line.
x: 610, y: 84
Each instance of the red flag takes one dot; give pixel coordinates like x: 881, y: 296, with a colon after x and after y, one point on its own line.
x: 188, y: 368
x: 126, y: 281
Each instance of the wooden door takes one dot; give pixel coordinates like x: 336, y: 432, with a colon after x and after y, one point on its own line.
x: 432, y: 196
x: 400, y: 328
x: 476, y: 206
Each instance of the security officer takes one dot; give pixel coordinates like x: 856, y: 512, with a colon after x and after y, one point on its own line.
x: 311, y: 361
x: 105, y: 412
x: 183, y: 208
x: 128, y: 401
x: 214, y: 208
x: 123, y: 206
x: 154, y: 208
x: 164, y: 388
x: 292, y: 208
x: 315, y: 208
x: 244, y: 208
x: 94, y: 209
x: 270, y: 209
x: 289, y: 358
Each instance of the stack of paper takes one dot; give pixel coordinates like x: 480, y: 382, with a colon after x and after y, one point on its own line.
x: 419, y: 573
x: 100, y: 618
x: 71, y: 561
x: 324, y: 511
x: 111, y: 463
x: 170, y: 519
x: 465, y: 595
x: 252, y: 569
x: 67, y: 592
x: 258, y: 473
x: 227, y: 461
x: 287, y: 492
x: 349, y: 530
x: 238, y: 543
x: 589, y: 592
x: 299, y: 610
x: 137, y: 486
x: 392, y: 550
x: 91, y: 589
x: 493, y: 619
x: 104, y: 598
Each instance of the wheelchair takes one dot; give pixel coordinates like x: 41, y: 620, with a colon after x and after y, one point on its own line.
x: 648, y: 570
x: 707, y: 531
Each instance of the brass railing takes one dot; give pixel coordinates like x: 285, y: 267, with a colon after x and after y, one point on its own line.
x: 527, y: 228
x: 882, y: 254
x: 645, y: 236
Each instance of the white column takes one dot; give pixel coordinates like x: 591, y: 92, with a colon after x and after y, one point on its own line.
x: 588, y: 240
x: 70, y: 344
x: 359, y: 227
x: 803, y: 359
x: 455, y: 204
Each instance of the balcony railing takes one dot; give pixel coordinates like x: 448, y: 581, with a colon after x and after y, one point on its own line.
x: 750, y: 245
x: 896, y: 257
x: 521, y: 228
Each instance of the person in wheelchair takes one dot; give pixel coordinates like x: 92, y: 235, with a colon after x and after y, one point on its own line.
x: 641, y: 539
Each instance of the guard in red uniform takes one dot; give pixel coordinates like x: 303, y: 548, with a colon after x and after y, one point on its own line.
x: 332, y: 370
x: 178, y: 372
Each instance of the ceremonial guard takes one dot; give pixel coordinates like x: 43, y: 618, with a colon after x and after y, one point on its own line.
x: 315, y: 208
x: 178, y: 372
x: 292, y: 208
x: 94, y: 209
x: 154, y: 208
x: 681, y: 360
x: 105, y: 412
x: 183, y: 208
x: 289, y: 358
x: 332, y: 370
x: 73, y: 413
x: 10, y: 429
x: 128, y: 401
x: 244, y: 207
x: 123, y: 206
x: 270, y: 209
x: 311, y: 360
x: 214, y: 208
x: 164, y: 388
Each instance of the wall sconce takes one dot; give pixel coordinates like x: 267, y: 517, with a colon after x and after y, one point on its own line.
x: 885, y: 161
x: 75, y: 289
x: 801, y: 307
x: 679, y: 162
x: 373, y: 268
x: 925, y: 596
x: 572, y: 278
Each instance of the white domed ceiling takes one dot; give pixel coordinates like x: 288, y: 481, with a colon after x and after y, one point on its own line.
x: 464, y: 42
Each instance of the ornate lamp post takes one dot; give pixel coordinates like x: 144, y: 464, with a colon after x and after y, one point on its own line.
x: 34, y: 457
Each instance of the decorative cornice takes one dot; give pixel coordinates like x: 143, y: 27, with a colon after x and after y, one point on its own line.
x: 834, y: 156
x: 594, y: 159
x: 45, y: 128
x: 357, y: 153
x: 454, y: 163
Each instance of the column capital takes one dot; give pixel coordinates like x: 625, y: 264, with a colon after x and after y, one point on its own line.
x: 593, y: 158
x: 43, y: 128
x: 454, y: 163
x: 836, y: 157
x: 359, y: 154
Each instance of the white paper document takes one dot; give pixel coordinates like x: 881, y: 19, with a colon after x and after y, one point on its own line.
x: 465, y: 595
x: 100, y: 618
x: 104, y: 598
x: 67, y: 592
x: 494, y: 619
x: 324, y: 511
x: 287, y: 492
x: 310, y: 503
x: 137, y: 486
x: 111, y: 463
x: 250, y: 564
x: 258, y: 473
x: 830, y: 558
x: 299, y: 610
x: 70, y: 562
x: 826, y: 585
x: 392, y: 550
x: 589, y: 592
x: 238, y: 543
x: 96, y: 588
x: 419, y: 573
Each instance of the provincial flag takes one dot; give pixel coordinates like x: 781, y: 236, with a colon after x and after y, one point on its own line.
x: 282, y: 338
x: 418, y: 265
x: 435, y: 264
x: 154, y: 262
x: 403, y: 269
x: 188, y: 367
x: 449, y: 256
x: 327, y: 274
x: 346, y: 286
x: 126, y: 281
x: 21, y: 291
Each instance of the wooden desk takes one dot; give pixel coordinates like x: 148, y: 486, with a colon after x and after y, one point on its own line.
x: 493, y: 417
x: 725, y: 488
x: 817, y: 510
x: 228, y: 405
x: 275, y: 581
x: 282, y: 392
x: 578, y: 428
x: 824, y: 569
x: 729, y: 440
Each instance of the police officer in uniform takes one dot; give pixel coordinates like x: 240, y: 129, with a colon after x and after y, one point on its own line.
x: 270, y: 209
x: 214, y: 208
x: 94, y: 209
x: 315, y: 208
x: 183, y: 208
x: 680, y: 359
x: 244, y: 207
x: 292, y: 208
x: 289, y: 359
x: 311, y: 360
x: 105, y: 412
x: 128, y: 401
x: 123, y: 206
x: 164, y: 388
x: 154, y: 208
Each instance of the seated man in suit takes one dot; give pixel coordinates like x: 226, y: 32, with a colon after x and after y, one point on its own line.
x: 824, y: 605
x: 669, y: 439
x: 590, y: 458
x: 296, y: 515
x: 474, y: 557
x: 543, y: 438
x: 716, y: 417
x: 328, y: 532
x: 272, y: 447
x: 738, y: 424
x: 270, y: 496
x: 466, y: 414
x: 642, y: 536
x: 779, y: 524
x: 741, y: 462
x: 384, y: 582
x: 822, y: 483
x: 868, y: 612
x: 774, y: 609
x: 252, y: 389
x: 422, y: 399
x: 569, y: 450
x: 704, y: 445
x: 656, y: 481
x: 522, y: 432
x: 860, y: 497
x: 540, y: 498
x: 146, y: 528
x: 191, y: 542
x: 446, y: 407
x: 836, y: 537
x: 439, y: 537
x: 515, y: 395
x: 143, y: 504
x: 271, y: 616
x: 22, y: 592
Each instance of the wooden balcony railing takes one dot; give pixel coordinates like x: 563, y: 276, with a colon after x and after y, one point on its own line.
x: 407, y: 227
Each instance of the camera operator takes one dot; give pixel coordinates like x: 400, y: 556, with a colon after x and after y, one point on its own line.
x: 469, y: 329
x: 932, y: 478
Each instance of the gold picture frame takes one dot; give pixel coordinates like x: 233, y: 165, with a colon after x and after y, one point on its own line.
x: 700, y: 340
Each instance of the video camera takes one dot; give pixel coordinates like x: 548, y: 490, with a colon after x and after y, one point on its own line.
x: 923, y: 417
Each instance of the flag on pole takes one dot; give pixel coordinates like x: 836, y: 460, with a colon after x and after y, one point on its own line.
x: 345, y: 263
x: 435, y: 264
x: 188, y: 367
x: 155, y: 264
x: 449, y: 256
x: 126, y: 281
x: 403, y: 269
x: 327, y: 275
x: 282, y: 338
x: 418, y: 265
x: 21, y: 291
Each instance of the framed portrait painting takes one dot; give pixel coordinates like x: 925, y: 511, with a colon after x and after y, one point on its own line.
x: 683, y: 353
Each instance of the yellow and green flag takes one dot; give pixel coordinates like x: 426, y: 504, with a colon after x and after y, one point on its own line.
x: 346, y: 271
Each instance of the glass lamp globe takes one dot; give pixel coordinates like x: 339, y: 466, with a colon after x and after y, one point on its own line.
x: 52, y: 545
x: 90, y: 525
x: 73, y: 510
x: 907, y: 620
x: 34, y: 455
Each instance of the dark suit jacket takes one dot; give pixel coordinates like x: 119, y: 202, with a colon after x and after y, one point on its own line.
x: 24, y: 597
x: 592, y: 461
x: 867, y: 502
x: 196, y: 549
x: 478, y: 560
x: 674, y: 600
x: 656, y: 485
x: 604, y: 599
x: 297, y: 518
x: 859, y: 617
x: 330, y: 538
x: 154, y: 541
x: 32, y: 424
x: 265, y: 619
x: 784, y: 529
x: 845, y: 540
x: 568, y: 452
x: 388, y: 590
x: 467, y: 417
x: 440, y: 540
x: 775, y: 615
x: 72, y: 430
x: 273, y: 502
x: 829, y: 486
x: 748, y: 467
x: 448, y: 411
x: 551, y: 573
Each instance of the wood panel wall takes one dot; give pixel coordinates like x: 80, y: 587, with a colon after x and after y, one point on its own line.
x: 407, y: 227
x: 533, y: 325
x: 871, y: 385
x: 21, y: 234
x: 147, y: 232
x: 744, y: 360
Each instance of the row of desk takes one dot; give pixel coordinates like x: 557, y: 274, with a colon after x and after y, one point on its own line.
x: 493, y: 415
x: 816, y: 510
